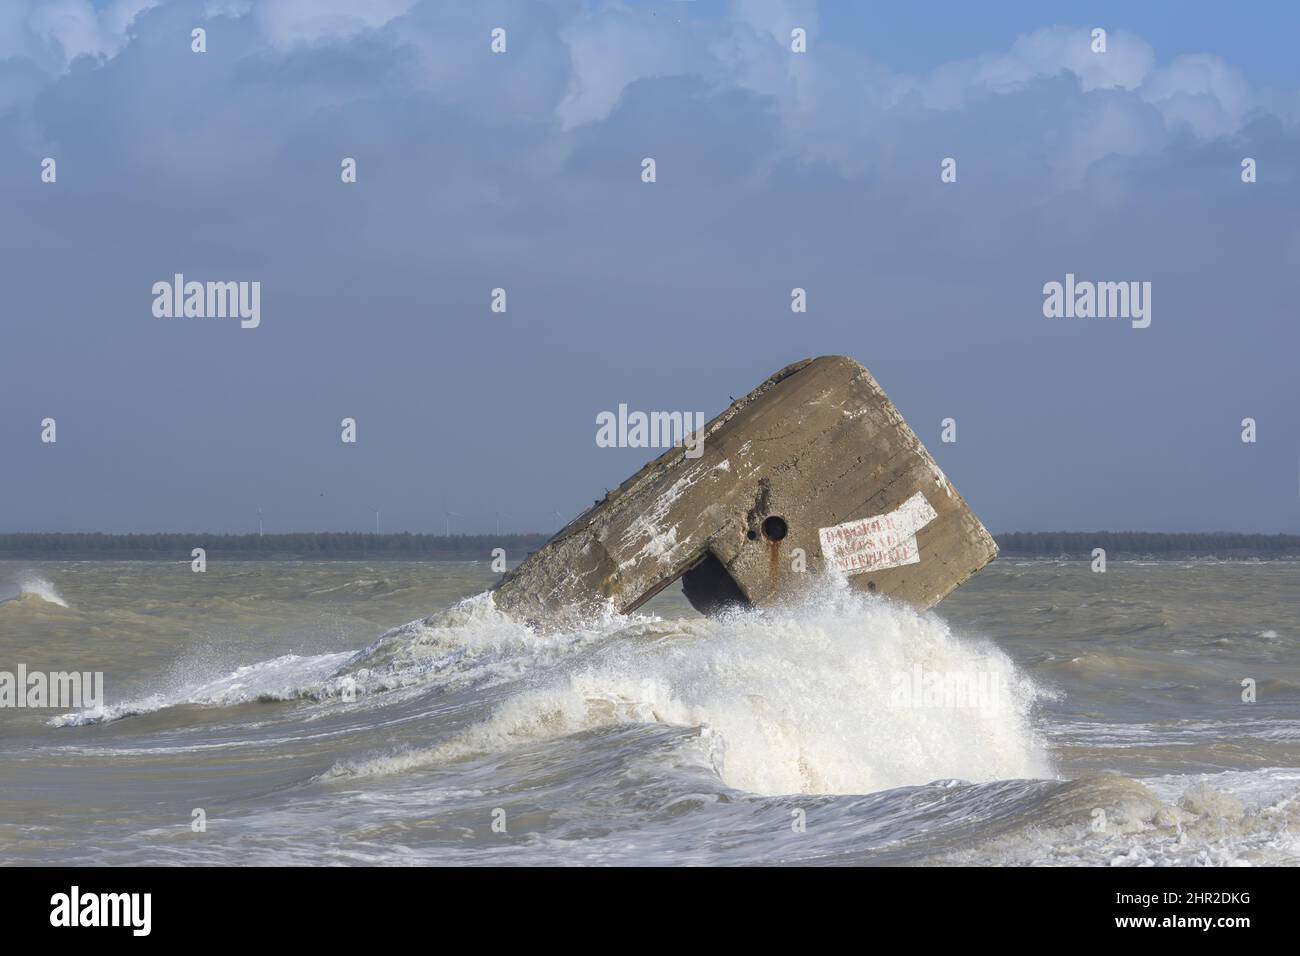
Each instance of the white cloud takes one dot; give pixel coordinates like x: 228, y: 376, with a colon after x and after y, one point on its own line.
x: 613, y: 47
x: 287, y: 23
x: 54, y: 32
x: 1202, y: 92
x: 833, y: 102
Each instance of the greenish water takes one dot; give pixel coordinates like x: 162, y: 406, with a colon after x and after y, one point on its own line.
x: 261, y: 694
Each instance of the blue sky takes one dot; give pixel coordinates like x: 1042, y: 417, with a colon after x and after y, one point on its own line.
x: 522, y: 170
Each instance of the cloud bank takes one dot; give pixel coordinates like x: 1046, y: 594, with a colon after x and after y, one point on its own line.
x: 522, y: 170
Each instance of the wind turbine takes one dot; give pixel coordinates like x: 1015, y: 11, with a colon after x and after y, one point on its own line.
x: 259, y: 521
x: 376, y: 521
x: 449, y: 515
x: 501, y: 514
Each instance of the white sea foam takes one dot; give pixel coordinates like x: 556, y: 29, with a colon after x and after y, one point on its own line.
x: 640, y: 740
x: 797, y: 700
x: 287, y: 677
x: 471, y: 642
x: 1235, y: 818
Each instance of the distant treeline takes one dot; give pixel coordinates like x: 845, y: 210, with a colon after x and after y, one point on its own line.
x: 328, y: 544
x: 470, y: 547
x: 1219, y: 544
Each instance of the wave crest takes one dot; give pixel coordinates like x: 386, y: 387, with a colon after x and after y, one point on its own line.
x: 30, y: 586
x: 801, y: 700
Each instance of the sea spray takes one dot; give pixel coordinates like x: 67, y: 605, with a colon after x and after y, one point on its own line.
x: 33, y: 586
x: 635, y: 788
x: 798, y: 699
x: 288, y: 677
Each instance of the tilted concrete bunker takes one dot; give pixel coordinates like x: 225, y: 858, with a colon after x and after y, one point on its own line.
x: 812, y: 471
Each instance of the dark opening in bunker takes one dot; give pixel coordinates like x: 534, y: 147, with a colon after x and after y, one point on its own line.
x: 774, y: 528
x: 710, y: 587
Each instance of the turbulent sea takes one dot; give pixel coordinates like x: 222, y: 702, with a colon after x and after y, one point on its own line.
x: 279, y: 700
